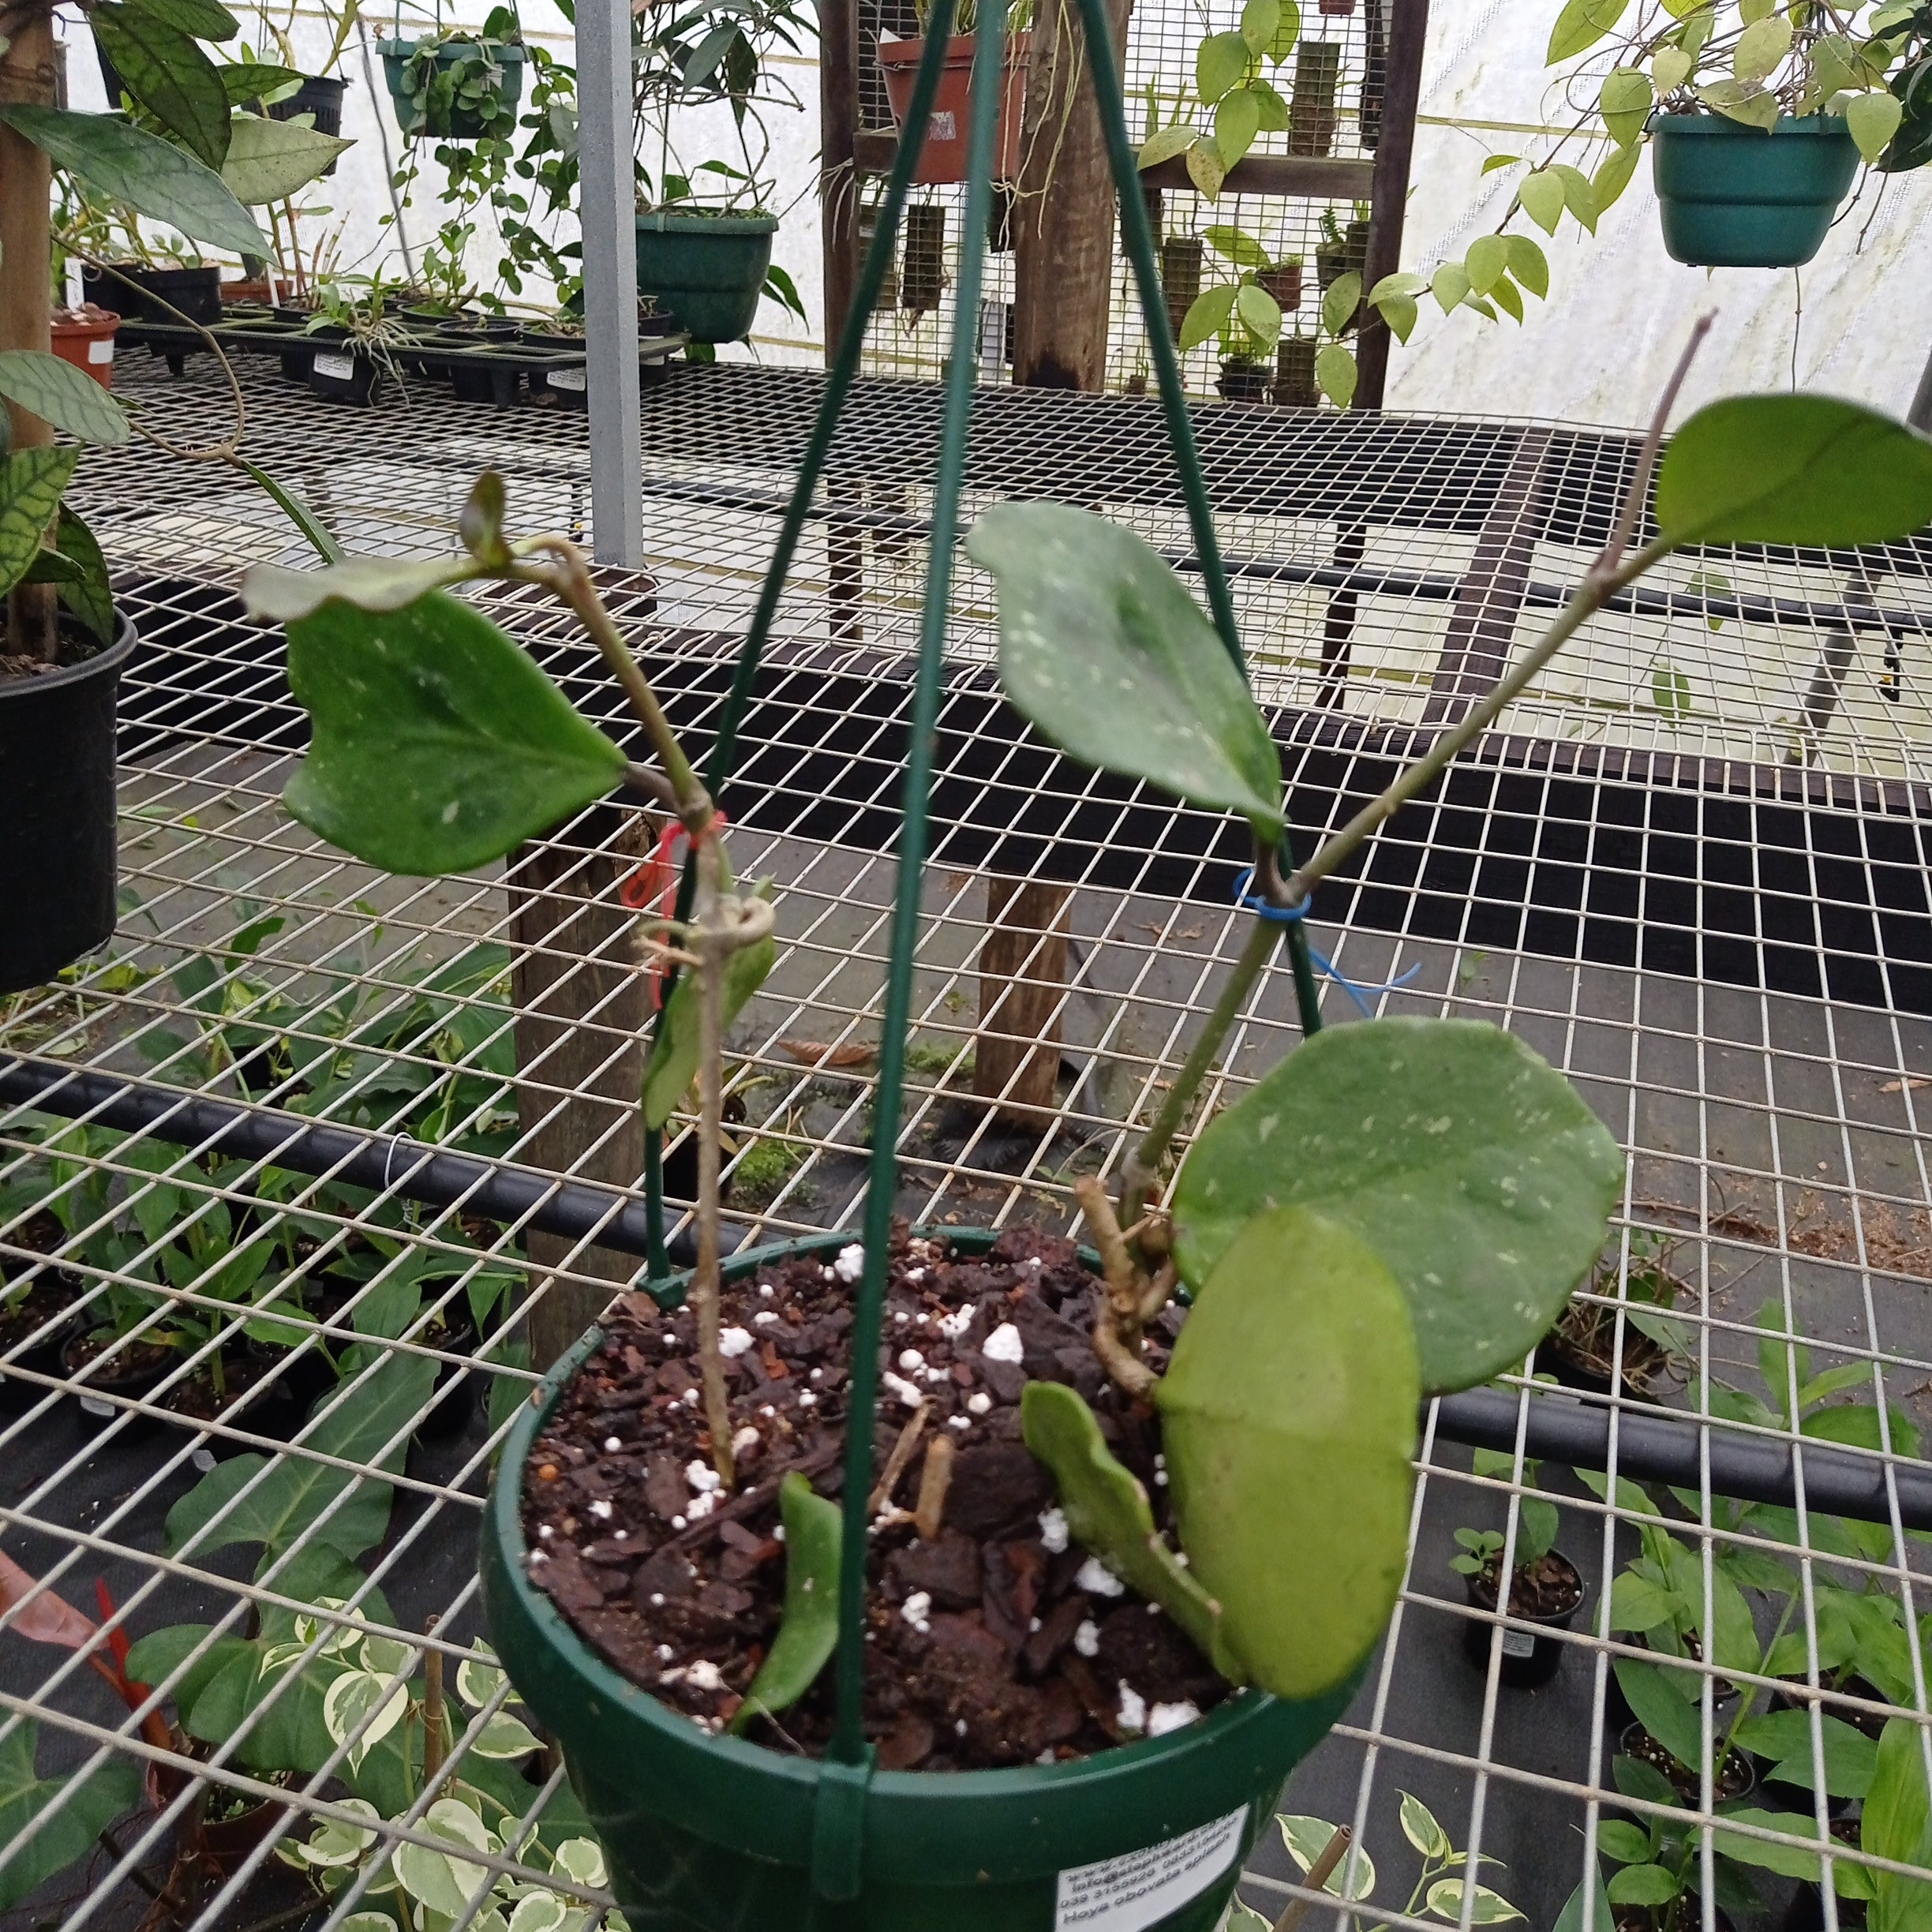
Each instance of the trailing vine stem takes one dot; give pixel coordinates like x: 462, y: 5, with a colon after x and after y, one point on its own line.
x: 1116, y: 1333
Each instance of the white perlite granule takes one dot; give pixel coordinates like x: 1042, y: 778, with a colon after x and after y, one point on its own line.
x: 733, y: 1342
x: 851, y: 1263
x: 979, y: 1402
x: 1003, y: 1345
x: 1053, y: 1528
x: 1132, y: 1713
x: 1086, y: 1638
x: 1098, y: 1580
x: 1165, y: 1717
x: 917, y: 1609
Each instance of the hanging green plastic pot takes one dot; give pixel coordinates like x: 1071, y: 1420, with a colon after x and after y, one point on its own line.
x: 706, y: 270
x: 454, y: 117
x: 707, y: 1833
x: 1734, y: 196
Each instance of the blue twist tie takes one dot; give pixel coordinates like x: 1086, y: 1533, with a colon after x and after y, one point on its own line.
x: 1295, y: 915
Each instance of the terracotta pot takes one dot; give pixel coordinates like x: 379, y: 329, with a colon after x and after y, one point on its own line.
x: 943, y: 158
x: 263, y: 290
x: 88, y: 346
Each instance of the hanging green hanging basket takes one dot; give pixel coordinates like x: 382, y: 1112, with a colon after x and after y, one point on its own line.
x: 447, y: 91
x: 708, y: 1833
x: 1733, y: 196
x: 707, y: 271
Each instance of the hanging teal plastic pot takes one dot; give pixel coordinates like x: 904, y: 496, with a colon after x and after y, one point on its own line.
x: 446, y: 113
x: 1734, y: 196
x: 713, y: 1834
x: 706, y: 271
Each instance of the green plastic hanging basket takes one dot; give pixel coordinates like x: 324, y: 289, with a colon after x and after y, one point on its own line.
x: 1733, y: 196
x: 707, y: 271
x: 455, y: 119
x: 707, y: 1833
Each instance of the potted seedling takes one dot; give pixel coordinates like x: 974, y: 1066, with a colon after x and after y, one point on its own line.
x: 1546, y: 1589
x: 1231, y: 87
x: 1245, y: 313
x: 1757, y: 117
x: 1400, y: 1208
x: 704, y: 232
x: 1582, y: 1350
x: 942, y: 158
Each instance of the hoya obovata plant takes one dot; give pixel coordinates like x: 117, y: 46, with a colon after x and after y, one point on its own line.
x: 1400, y: 1209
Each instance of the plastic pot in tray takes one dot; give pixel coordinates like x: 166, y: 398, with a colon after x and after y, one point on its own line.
x: 133, y: 1371
x: 1530, y: 1657
x: 340, y: 371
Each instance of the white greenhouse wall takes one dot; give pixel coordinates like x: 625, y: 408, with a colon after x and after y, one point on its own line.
x: 1597, y: 351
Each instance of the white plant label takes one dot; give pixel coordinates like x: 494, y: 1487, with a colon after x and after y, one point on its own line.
x: 567, y: 379
x: 942, y: 127
x: 1127, y: 1894
x: 341, y: 368
x: 101, y: 350
x: 1519, y: 1644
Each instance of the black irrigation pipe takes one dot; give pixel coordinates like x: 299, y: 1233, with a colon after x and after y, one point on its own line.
x: 1657, y: 1446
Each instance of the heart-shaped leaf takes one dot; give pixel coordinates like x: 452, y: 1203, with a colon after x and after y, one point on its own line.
x: 122, y: 162
x: 1107, y: 1512
x: 66, y: 398
x: 1102, y: 647
x: 369, y: 583
x: 809, y: 1634
x: 1455, y: 1151
x: 1795, y: 469
x: 268, y: 160
x: 1294, y: 1386
x: 438, y: 744
x: 1340, y: 300
x: 1336, y: 374
x: 1261, y: 314
x: 1486, y: 262
x: 1164, y: 144
x: 1528, y: 265
x: 168, y: 74
x: 32, y: 481
x: 1236, y: 245
x: 1625, y: 102
x: 1238, y: 120
x: 1219, y: 62
x: 1580, y: 25
x: 1450, y: 285
x: 1206, y: 316
x: 1874, y: 119
x: 1541, y: 195
x: 1760, y: 48
x: 1261, y: 22
x: 1670, y: 67
x: 1206, y: 169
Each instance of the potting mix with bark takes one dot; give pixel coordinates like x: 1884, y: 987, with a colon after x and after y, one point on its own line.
x: 996, y: 1640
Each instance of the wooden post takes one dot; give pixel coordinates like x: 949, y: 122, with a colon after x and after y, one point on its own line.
x: 1063, y: 220
x: 583, y: 1005
x: 838, y: 179
x: 28, y: 73
x: 1394, y: 149
x: 1022, y: 978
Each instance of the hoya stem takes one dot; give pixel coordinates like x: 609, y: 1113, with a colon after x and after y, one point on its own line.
x: 571, y: 581
x: 712, y: 948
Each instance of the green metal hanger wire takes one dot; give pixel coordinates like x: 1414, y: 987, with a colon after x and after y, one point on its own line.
x: 848, y: 1744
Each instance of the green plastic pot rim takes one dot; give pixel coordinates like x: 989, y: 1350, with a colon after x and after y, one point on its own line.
x: 1817, y: 127
x: 101, y: 664
x: 508, y: 52
x: 1241, y: 1707
x: 694, y: 221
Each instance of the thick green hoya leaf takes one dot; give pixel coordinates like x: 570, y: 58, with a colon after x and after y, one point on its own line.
x: 674, y: 1053
x: 87, y: 595
x: 31, y: 484
x: 119, y: 162
x: 1108, y: 1513
x: 1793, y: 469
x: 438, y: 744
x: 1102, y: 647
x: 809, y: 1634
x: 1288, y: 1416
x: 1456, y: 1151
x: 268, y: 160
x: 250, y: 81
x: 164, y: 70
x: 207, y: 19
x: 369, y: 583
x: 61, y: 396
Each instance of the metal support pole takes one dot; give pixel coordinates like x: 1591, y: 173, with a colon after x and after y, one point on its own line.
x: 610, y: 280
